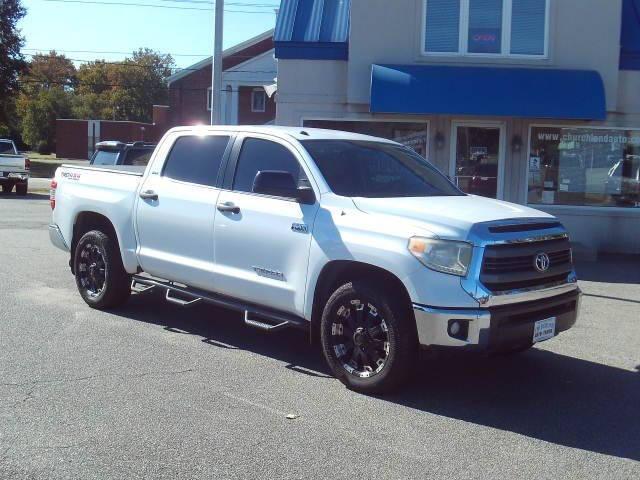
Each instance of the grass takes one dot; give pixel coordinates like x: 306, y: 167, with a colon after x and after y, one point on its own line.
x: 44, y: 166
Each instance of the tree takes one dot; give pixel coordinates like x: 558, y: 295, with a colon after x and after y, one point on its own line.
x: 124, y: 90
x: 11, y: 60
x: 47, y: 88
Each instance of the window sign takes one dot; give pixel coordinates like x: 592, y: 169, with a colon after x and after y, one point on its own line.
x: 486, y: 27
x: 582, y: 166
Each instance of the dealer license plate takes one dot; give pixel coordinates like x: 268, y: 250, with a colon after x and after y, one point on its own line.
x: 544, y: 329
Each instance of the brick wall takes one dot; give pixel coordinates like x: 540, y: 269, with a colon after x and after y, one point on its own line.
x: 71, y: 138
x: 246, y: 116
x: 188, y: 95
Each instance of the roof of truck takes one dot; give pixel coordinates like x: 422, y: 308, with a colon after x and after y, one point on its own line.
x: 298, y: 133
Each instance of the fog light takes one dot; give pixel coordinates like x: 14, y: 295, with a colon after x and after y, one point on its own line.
x: 458, y: 329
x: 454, y: 329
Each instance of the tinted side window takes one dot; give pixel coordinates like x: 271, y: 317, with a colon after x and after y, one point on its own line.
x: 196, y: 159
x: 258, y: 155
x: 138, y: 157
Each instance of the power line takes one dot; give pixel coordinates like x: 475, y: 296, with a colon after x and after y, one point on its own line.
x: 137, y: 65
x: 39, y: 52
x: 148, y: 5
x: 110, y: 52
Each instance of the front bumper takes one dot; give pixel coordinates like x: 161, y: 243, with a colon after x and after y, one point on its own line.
x: 55, y: 235
x: 497, y: 328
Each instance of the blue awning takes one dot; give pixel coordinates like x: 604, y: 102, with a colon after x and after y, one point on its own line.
x: 508, y: 92
x: 313, y: 29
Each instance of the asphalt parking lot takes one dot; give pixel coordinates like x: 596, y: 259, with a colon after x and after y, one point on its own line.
x: 153, y: 391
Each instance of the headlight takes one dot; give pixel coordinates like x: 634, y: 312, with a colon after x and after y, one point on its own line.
x: 445, y: 256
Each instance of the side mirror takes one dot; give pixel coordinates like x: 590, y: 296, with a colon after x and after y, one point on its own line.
x: 282, y: 184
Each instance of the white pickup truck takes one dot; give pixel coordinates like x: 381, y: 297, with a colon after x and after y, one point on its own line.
x: 356, y: 239
x: 14, y: 168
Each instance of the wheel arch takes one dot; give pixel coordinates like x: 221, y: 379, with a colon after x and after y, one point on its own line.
x: 338, y: 272
x: 85, y: 222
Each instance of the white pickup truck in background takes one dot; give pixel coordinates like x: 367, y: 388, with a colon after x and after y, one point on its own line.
x: 356, y: 239
x: 14, y: 168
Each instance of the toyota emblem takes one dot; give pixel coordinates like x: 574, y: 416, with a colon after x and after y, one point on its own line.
x: 541, y: 262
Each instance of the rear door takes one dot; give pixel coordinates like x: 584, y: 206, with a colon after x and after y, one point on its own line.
x: 176, y: 210
x: 262, y: 247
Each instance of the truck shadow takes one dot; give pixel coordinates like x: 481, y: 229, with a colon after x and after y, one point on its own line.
x: 540, y: 394
x: 28, y: 196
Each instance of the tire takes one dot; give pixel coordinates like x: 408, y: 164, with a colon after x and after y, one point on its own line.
x: 101, y: 278
x: 385, y: 330
x: 21, y: 189
x: 7, y: 187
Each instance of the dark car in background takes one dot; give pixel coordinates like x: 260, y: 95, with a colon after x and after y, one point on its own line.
x: 120, y: 153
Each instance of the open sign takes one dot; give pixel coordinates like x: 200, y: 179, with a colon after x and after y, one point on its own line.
x: 485, y: 40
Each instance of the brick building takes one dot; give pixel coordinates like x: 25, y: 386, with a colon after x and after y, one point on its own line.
x: 247, y: 69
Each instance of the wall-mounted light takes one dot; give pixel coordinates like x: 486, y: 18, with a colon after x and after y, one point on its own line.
x: 516, y: 143
x: 439, y: 140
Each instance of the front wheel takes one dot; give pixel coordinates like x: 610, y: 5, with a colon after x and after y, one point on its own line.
x: 101, y: 278
x: 368, y: 339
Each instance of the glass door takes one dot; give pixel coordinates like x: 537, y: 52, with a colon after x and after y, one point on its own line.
x: 477, y: 151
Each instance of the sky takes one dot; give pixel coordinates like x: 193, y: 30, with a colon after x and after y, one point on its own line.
x: 74, y: 27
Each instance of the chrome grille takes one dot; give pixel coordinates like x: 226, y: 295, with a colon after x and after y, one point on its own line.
x: 512, y: 266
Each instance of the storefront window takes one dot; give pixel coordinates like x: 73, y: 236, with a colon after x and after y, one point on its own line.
x: 413, y: 135
x: 584, y: 166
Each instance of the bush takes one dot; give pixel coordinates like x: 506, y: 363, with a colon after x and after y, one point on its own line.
x: 42, y: 147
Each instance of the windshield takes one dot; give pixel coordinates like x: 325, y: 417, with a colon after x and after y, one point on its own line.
x: 6, y: 148
x: 377, y: 170
x: 105, y: 157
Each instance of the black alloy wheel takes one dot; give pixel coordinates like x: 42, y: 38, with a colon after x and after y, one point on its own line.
x: 369, y: 337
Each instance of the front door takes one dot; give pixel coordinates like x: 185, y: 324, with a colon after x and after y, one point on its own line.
x: 262, y: 242
x: 477, y: 151
x: 175, y: 214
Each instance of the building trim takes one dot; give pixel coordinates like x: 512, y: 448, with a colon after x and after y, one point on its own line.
x: 312, y: 51
x: 227, y: 53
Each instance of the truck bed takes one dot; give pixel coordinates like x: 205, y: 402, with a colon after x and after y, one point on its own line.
x: 122, y: 169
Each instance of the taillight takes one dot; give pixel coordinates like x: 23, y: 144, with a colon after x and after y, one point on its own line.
x: 27, y: 164
x: 52, y: 194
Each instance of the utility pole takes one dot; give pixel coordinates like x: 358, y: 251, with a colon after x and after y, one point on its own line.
x: 216, y: 68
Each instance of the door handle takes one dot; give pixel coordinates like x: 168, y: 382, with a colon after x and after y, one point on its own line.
x: 228, y: 207
x: 149, y: 195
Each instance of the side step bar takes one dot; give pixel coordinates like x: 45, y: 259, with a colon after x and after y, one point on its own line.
x: 262, y: 318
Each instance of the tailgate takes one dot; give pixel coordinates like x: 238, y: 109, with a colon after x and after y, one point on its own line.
x: 12, y: 163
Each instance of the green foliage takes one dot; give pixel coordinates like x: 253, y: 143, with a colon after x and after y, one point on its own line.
x: 11, y: 60
x: 53, y: 88
x: 125, y: 90
x: 45, y: 95
x: 38, y: 112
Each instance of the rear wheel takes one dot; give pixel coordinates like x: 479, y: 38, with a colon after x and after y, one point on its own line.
x: 368, y: 339
x: 101, y: 278
x: 7, y: 187
x: 21, y: 189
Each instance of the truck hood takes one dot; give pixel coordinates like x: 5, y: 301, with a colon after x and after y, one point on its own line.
x: 445, y: 217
